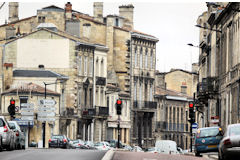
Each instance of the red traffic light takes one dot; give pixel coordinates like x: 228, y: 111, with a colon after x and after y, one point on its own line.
x: 190, y: 105
x: 12, y: 101
x: 119, y: 102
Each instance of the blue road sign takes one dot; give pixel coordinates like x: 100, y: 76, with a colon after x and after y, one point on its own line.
x: 194, y: 125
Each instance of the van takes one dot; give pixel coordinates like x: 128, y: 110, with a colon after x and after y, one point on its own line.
x: 166, y: 146
x: 207, y: 139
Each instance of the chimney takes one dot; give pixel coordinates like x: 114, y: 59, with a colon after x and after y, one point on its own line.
x: 13, y: 12
x: 68, y: 10
x: 41, y: 66
x: 126, y: 11
x: 10, y: 31
x: 8, y: 75
x: 98, y: 11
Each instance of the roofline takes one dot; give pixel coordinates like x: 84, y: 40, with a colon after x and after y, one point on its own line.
x: 148, y: 37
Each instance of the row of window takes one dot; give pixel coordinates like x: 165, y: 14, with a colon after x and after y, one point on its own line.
x: 171, y: 113
x: 139, y: 60
x: 85, y: 65
x: 146, y: 91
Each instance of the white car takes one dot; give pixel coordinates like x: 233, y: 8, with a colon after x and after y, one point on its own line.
x: 19, y: 135
x: 166, y: 146
x: 137, y: 149
x: 102, y: 146
x: 7, y: 135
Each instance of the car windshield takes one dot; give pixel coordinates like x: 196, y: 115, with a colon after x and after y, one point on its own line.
x: 99, y: 144
x: 210, y: 132
x: 57, y: 137
x: 234, y: 131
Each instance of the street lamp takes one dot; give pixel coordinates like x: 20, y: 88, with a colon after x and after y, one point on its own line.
x: 190, y: 44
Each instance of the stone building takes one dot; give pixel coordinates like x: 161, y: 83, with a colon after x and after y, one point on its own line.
x: 172, y: 117
x: 117, y: 33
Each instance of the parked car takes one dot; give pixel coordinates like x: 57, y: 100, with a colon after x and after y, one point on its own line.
x: 152, y: 150
x: 207, y: 139
x: 127, y: 147
x: 229, y: 145
x: 7, y: 135
x: 78, y: 143
x: 20, y: 138
x: 166, y: 146
x: 114, y: 143
x: 58, y: 141
x: 90, y: 145
x: 137, y: 149
x: 102, y: 146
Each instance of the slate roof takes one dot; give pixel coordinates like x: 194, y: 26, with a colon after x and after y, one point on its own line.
x: 167, y: 92
x: 30, y: 88
x: 37, y: 73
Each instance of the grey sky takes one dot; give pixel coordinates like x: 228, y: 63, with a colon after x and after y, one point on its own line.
x: 172, y: 23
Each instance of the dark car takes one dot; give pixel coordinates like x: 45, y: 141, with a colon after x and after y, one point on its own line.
x: 229, y: 147
x: 58, y: 141
x: 207, y: 139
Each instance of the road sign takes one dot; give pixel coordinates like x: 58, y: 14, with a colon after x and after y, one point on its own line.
x: 27, y: 113
x: 27, y: 105
x: 27, y: 109
x: 46, y: 108
x: 47, y: 114
x: 28, y: 118
x: 194, y: 125
x: 47, y: 102
x: 45, y: 119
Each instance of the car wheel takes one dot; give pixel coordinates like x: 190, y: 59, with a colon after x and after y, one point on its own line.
x: 197, y: 154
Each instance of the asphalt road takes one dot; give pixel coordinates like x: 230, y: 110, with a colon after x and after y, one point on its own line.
x: 52, y: 154
x: 152, y: 156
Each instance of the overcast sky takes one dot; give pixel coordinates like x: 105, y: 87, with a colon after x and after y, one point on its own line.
x: 171, y: 22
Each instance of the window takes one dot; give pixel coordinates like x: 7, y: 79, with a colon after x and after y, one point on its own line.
x: 140, y: 94
x: 117, y: 22
x: 90, y: 66
x: 141, y: 59
x: 136, y: 62
x: 150, y: 93
x: 102, y: 68
x: 80, y: 65
x: 184, y: 89
x: 151, y: 63
x: 85, y: 97
x: 23, y: 99
x: 97, y: 68
x: 41, y: 19
x: 112, y: 106
x: 146, y: 58
x: 135, y: 91
x: 90, y: 97
x: 79, y: 96
x: 85, y: 65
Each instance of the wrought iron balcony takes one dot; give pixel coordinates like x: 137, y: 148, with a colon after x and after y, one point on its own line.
x: 102, y: 111
x: 101, y: 81
x: 144, y: 105
x: 90, y: 112
x: 206, y: 87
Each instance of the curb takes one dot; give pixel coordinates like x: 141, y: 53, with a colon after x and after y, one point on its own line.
x: 108, y: 155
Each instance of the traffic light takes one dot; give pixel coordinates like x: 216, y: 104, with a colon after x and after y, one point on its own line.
x: 11, y: 107
x: 191, y: 112
x: 119, y: 107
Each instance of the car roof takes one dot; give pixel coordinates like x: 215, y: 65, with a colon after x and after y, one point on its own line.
x: 209, y: 127
x: 233, y: 125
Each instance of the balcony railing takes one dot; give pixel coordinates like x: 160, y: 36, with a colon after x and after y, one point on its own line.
x: 89, y: 112
x: 101, y: 81
x: 102, y: 111
x: 144, y: 105
x: 206, y: 86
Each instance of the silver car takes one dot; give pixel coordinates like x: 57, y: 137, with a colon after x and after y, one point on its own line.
x: 19, y: 135
x: 229, y: 145
x: 7, y: 137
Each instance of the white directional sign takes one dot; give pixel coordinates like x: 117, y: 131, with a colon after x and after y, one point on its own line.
x: 28, y: 118
x: 45, y: 119
x: 27, y: 113
x: 47, y: 114
x: 27, y: 109
x: 27, y: 105
x: 46, y: 108
x: 47, y: 102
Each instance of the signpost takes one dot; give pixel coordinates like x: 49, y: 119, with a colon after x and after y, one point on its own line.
x: 47, y: 102
x: 194, y: 127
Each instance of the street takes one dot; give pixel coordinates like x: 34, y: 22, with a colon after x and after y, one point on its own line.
x: 54, y: 154
x: 152, y: 156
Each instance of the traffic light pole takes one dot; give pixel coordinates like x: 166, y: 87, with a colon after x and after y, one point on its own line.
x: 191, y: 136
x: 44, y: 123
x: 118, y: 127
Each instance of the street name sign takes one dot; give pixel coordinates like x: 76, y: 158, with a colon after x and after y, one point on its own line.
x: 47, y: 114
x: 27, y: 113
x: 27, y: 118
x: 45, y: 119
x: 47, y: 102
x: 27, y: 105
x: 46, y: 109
